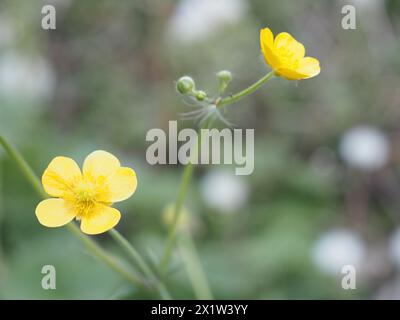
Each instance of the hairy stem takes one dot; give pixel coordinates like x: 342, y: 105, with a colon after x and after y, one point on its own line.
x: 194, y: 270
x: 249, y: 90
x: 183, y: 188
x: 193, y: 263
x: 188, y: 170
x: 102, y: 255
x: 187, y: 174
x: 198, y: 278
x: 136, y: 258
x: 24, y: 167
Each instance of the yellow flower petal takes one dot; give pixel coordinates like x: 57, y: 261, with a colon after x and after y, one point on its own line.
x: 120, y: 186
x: 101, y: 220
x: 267, y: 48
x: 100, y: 164
x: 266, y: 37
x: 309, y: 67
x: 59, y: 176
x: 290, y: 74
x: 54, y: 213
x: 288, y: 47
x: 286, y: 56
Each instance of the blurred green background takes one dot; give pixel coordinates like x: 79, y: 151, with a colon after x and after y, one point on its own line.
x: 325, y: 191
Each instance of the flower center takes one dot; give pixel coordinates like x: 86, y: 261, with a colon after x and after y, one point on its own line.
x: 84, y: 199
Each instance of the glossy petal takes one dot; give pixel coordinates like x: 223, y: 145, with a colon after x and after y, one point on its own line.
x: 290, y: 74
x: 266, y: 37
x: 120, y: 186
x: 288, y: 47
x: 286, y: 56
x: 100, y: 164
x: 309, y: 67
x: 266, y: 43
x: 60, y: 175
x: 101, y: 220
x: 54, y: 213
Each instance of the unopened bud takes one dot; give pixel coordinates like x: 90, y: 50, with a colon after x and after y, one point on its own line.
x: 185, y: 85
x: 201, y: 95
x: 224, y: 76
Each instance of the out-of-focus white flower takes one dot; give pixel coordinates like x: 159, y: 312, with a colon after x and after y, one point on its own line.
x: 194, y: 20
x: 394, y: 248
x: 25, y: 76
x: 224, y: 191
x: 364, y: 148
x: 338, y: 248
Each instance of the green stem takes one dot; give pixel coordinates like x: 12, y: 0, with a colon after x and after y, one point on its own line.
x: 187, y: 174
x: 193, y: 267
x: 92, y: 246
x: 24, y: 166
x: 235, y: 97
x: 2, y: 257
x: 189, y: 252
x: 102, y: 255
x: 184, y: 185
x: 136, y: 258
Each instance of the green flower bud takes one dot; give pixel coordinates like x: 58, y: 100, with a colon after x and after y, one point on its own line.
x: 185, y: 85
x: 224, y: 76
x: 201, y: 95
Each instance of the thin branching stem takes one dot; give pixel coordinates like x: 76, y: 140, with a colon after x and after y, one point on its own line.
x: 249, y: 90
x: 197, y: 275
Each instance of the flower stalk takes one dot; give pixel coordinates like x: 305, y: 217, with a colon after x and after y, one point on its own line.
x: 105, y: 257
x: 180, y: 200
x: 193, y: 267
x: 249, y: 90
x: 183, y: 188
x: 188, y: 170
x: 24, y: 167
x: 189, y: 253
x: 137, y: 259
x: 187, y: 246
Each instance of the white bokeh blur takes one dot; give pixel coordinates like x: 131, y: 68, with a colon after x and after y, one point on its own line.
x: 365, y: 148
x: 195, y: 20
x: 25, y: 76
x: 337, y: 248
x: 224, y: 191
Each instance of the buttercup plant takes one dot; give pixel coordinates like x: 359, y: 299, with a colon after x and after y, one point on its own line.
x: 285, y: 55
x: 144, y: 278
x: 88, y: 195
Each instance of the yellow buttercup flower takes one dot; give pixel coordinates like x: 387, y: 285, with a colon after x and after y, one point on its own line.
x: 285, y: 55
x: 87, y: 195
